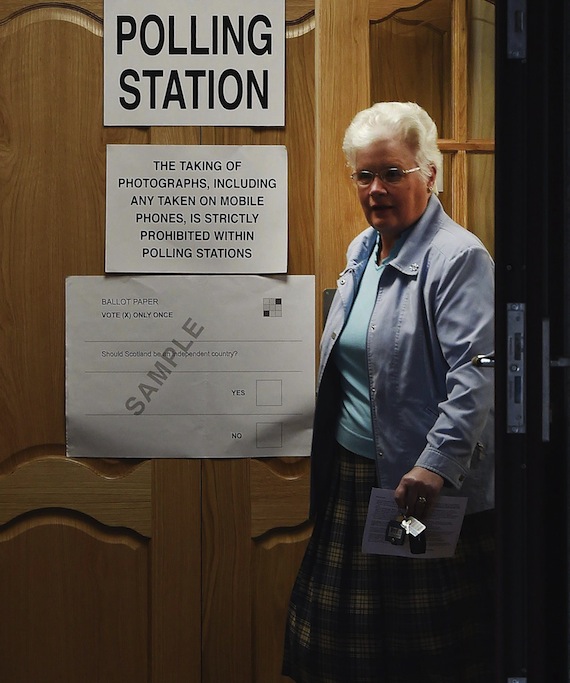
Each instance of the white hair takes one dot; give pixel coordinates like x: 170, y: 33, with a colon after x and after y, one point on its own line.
x: 405, y: 121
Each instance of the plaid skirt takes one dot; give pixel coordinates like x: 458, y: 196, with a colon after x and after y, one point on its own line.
x: 356, y: 618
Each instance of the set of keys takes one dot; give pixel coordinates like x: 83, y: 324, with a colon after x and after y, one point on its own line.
x: 407, y: 527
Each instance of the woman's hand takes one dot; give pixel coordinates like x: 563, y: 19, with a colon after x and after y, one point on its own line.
x: 417, y: 491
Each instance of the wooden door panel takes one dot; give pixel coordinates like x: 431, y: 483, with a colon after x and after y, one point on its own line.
x: 113, y: 494
x: 279, y: 494
x: 276, y: 560
x: 247, y: 580
x: 99, y: 568
x: 176, y: 572
x: 227, y: 564
x: 298, y: 136
x: 157, y: 571
x: 74, y: 601
x: 280, y: 530
x: 49, y: 172
x: 74, y: 563
x: 100, y: 560
x: 255, y: 511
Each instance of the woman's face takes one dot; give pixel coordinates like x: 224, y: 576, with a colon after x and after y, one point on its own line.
x: 391, y: 208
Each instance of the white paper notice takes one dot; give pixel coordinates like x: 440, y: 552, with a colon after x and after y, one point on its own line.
x: 194, y: 63
x: 190, y: 366
x: 196, y: 209
x: 442, y: 533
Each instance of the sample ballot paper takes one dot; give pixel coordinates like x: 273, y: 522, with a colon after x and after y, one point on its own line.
x: 189, y: 366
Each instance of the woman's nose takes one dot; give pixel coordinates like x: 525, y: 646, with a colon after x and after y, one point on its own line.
x: 377, y: 186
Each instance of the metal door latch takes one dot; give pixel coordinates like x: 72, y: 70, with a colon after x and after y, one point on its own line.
x: 560, y: 363
x: 484, y: 361
x: 516, y: 413
x: 516, y: 29
x: 516, y: 409
x: 547, y: 364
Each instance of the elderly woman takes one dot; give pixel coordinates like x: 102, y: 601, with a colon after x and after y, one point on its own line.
x: 400, y: 406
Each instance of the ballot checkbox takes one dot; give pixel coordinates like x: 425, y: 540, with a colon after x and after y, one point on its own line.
x: 269, y: 392
x: 269, y: 435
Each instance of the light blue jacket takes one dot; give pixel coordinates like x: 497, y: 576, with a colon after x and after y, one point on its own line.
x: 430, y: 405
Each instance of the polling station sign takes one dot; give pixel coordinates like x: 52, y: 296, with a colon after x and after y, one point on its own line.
x: 189, y: 62
x: 196, y: 209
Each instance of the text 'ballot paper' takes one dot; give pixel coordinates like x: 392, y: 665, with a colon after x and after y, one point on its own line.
x: 442, y: 532
x: 189, y: 366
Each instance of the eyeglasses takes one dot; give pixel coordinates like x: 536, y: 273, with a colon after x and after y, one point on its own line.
x: 391, y: 176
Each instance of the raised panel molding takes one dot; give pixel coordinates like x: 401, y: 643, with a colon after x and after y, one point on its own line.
x: 57, y: 482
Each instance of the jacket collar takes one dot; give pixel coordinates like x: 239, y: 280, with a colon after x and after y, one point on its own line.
x: 420, y: 238
x: 414, y: 248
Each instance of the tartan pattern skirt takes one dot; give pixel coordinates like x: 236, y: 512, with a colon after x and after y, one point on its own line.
x: 356, y: 618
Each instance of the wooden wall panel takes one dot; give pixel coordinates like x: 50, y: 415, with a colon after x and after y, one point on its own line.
x: 342, y: 89
x: 417, y: 78
x: 481, y: 179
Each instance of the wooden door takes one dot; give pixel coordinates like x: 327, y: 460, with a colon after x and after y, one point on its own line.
x: 164, y: 570
x: 158, y: 571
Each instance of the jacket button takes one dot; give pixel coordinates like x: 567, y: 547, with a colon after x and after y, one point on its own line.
x: 380, y: 454
x: 342, y: 282
x: 461, y: 477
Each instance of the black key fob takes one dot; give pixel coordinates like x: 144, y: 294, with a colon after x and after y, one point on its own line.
x: 395, y: 532
x: 418, y: 543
